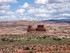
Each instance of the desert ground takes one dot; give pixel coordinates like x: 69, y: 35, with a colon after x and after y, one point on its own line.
x: 14, y: 37
x: 20, y: 27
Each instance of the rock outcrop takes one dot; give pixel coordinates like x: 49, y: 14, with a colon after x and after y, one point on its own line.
x: 39, y: 28
x: 30, y: 29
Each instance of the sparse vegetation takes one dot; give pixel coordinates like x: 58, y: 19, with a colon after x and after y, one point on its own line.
x: 7, y: 40
x: 15, y: 37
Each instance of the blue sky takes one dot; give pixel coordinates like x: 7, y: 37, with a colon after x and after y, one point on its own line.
x: 34, y: 9
x: 20, y: 3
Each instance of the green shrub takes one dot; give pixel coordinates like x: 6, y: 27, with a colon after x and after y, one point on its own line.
x: 11, y: 40
x: 56, y: 39
x: 44, y: 37
x: 4, y: 39
x: 31, y: 52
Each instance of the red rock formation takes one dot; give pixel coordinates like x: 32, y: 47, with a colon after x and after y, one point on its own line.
x: 30, y: 29
x: 40, y: 28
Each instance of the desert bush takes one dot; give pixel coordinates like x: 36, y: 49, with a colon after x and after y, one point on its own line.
x: 44, y: 37
x: 11, y: 40
x: 4, y: 39
x: 31, y: 52
x: 26, y: 48
x: 56, y: 39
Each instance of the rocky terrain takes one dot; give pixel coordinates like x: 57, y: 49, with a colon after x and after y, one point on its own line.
x: 20, y: 27
x: 14, y: 37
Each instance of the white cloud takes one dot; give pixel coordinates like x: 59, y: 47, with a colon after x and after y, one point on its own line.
x: 66, y: 0
x: 49, y: 1
x: 6, y: 12
x: 8, y: 1
x: 37, y: 10
x: 41, y: 10
x: 42, y: 15
x: 58, y: 9
x: 8, y: 18
x: 11, y: 13
x: 41, y: 1
x: 25, y: 5
x: 20, y: 11
x: 4, y: 7
x: 47, y: 11
x: 2, y: 12
x: 65, y: 14
x: 55, y: 1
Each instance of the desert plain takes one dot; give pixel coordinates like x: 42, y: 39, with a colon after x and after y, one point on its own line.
x: 14, y: 37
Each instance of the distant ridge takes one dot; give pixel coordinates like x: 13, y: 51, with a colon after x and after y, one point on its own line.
x: 58, y: 21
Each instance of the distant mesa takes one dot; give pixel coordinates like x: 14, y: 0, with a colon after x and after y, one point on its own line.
x: 30, y: 29
x: 39, y: 28
x: 58, y: 21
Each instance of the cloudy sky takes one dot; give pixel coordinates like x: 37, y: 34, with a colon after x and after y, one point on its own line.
x: 34, y: 9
